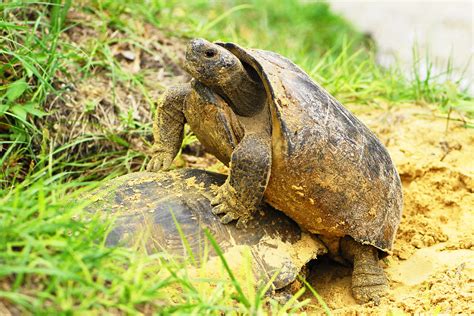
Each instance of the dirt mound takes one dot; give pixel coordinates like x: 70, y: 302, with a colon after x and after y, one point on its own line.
x: 112, y: 100
x: 432, y: 266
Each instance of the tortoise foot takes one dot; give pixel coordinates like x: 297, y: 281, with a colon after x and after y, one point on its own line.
x: 161, y: 159
x: 368, y: 278
x: 227, y: 202
x: 369, y: 287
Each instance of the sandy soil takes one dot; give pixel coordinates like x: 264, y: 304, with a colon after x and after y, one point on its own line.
x: 432, y: 266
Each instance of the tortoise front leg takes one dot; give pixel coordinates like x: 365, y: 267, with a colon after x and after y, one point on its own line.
x: 168, y: 127
x: 249, y: 172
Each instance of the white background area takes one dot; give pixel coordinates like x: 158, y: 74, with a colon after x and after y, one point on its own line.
x: 444, y: 29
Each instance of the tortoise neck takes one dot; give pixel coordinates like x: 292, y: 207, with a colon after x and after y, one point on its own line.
x: 245, y: 95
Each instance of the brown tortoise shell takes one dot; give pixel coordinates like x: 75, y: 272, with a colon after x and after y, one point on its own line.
x: 329, y: 172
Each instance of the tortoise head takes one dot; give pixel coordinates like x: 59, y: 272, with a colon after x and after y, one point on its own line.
x: 211, y: 64
x: 222, y: 71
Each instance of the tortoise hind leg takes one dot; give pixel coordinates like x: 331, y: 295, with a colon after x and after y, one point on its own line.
x: 368, y: 278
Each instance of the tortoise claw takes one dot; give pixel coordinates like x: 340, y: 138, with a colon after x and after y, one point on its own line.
x: 154, y: 164
x: 218, y: 199
x: 166, y: 162
x: 219, y: 209
x: 160, y: 160
x: 229, y: 217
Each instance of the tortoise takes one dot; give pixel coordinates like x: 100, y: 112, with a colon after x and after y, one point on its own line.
x: 288, y: 142
x: 155, y: 208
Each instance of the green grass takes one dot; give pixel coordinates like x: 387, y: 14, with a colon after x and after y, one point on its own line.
x: 52, y: 260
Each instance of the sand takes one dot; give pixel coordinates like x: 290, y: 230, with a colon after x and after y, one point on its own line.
x: 432, y: 266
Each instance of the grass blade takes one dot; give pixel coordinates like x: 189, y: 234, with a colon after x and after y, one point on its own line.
x: 242, y: 297
x: 186, y: 245
x: 318, y: 297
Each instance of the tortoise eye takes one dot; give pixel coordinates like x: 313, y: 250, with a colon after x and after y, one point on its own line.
x: 210, y: 53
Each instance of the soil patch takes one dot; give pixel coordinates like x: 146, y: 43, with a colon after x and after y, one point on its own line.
x: 111, y: 100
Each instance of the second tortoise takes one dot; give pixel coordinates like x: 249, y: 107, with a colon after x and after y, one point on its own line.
x: 168, y: 212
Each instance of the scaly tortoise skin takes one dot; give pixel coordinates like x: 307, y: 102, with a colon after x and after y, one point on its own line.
x: 142, y: 205
x: 290, y: 143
